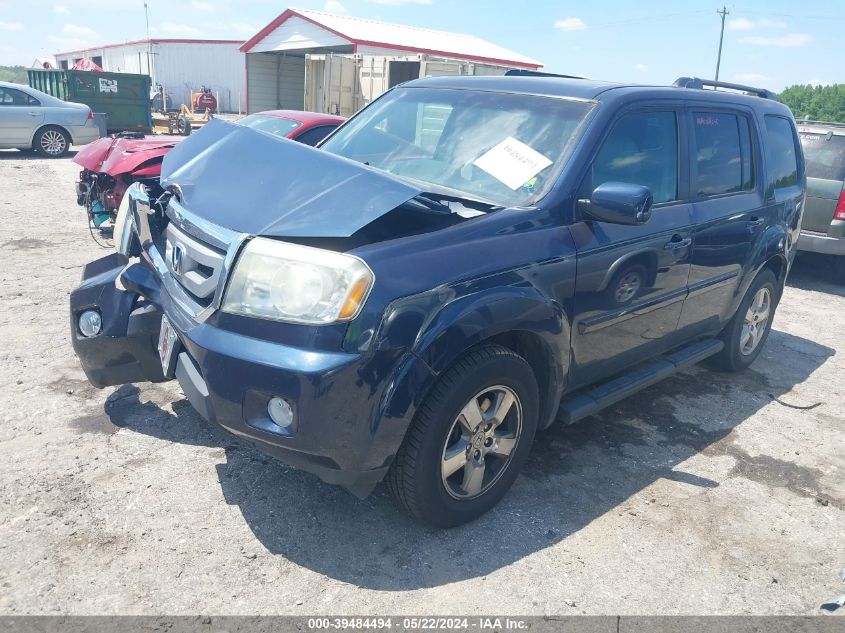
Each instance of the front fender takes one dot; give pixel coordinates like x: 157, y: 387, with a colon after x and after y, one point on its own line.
x: 439, y: 326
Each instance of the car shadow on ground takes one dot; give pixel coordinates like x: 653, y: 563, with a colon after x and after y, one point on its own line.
x: 575, y: 475
x: 18, y: 155
x: 812, y: 271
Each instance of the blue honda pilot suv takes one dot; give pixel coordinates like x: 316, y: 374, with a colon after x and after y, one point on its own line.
x: 464, y: 262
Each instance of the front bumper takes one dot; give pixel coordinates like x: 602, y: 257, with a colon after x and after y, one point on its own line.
x: 813, y: 242
x: 340, y: 432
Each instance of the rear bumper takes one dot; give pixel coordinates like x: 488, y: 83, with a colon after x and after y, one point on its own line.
x: 820, y: 243
x: 340, y: 432
x: 84, y: 134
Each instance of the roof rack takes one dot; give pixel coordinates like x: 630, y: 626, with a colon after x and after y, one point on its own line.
x: 699, y: 84
x: 521, y: 72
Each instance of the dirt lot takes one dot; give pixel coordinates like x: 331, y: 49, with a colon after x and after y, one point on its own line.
x: 709, y: 493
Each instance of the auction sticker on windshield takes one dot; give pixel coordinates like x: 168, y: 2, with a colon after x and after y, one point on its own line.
x: 512, y: 162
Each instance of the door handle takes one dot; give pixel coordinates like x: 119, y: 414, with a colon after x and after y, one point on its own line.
x: 677, y: 242
x: 755, y: 223
x: 32, y: 113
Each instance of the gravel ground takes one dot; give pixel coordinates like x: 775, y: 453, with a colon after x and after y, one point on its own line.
x: 707, y: 494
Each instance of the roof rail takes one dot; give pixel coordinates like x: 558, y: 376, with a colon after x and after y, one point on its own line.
x: 521, y: 72
x: 808, y: 121
x: 699, y: 84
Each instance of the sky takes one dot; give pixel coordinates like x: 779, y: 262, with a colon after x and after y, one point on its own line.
x: 768, y: 43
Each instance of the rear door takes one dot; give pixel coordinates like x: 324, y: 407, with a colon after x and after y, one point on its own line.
x: 632, y: 280
x: 730, y: 212
x: 20, y: 116
x: 824, y: 152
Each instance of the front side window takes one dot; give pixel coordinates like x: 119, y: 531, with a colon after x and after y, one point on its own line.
x: 500, y: 147
x: 642, y: 149
x: 722, y: 153
x: 781, y: 154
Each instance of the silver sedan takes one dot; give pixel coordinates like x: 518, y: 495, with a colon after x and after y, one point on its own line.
x: 31, y: 119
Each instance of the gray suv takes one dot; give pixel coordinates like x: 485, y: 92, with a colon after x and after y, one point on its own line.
x: 823, y: 228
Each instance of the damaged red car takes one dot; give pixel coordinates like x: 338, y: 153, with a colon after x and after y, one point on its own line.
x: 111, y: 164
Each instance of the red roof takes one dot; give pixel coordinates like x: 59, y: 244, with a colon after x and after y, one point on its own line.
x: 362, y: 32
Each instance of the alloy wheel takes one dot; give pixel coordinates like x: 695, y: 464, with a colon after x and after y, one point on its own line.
x: 481, y: 442
x: 756, y: 319
x: 53, y: 142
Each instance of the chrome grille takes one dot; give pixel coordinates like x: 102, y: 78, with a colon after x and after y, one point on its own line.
x: 194, y: 264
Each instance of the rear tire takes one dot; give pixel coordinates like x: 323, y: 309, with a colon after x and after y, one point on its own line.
x: 746, y: 333
x: 839, y: 269
x: 52, y: 142
x: 458, y: 458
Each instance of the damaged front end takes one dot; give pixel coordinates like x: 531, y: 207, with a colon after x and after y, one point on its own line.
x: 164, y: 304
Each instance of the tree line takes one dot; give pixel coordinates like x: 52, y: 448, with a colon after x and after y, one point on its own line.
x: 819, y: 103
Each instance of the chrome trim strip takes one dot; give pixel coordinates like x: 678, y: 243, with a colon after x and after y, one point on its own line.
x: 189, y: 222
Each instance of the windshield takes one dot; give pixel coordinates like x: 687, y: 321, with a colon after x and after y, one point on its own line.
x: 501, y: 147
x: 275, y: 125
x: 825, y: 155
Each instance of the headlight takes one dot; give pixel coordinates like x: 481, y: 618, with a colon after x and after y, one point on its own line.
x: 299, y: 284
x: 123, y: 225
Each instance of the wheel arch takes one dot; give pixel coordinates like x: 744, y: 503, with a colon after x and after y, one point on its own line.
x: 43, y: 127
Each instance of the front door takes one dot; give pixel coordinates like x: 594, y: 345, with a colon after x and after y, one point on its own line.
x: 632, y: 280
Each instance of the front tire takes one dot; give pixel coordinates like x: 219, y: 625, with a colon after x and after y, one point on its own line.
x: 52, y: 142
x: 468, y: 440
x: 747, y: 331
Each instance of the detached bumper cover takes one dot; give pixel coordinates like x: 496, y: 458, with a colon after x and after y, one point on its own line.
x: 340, y: 432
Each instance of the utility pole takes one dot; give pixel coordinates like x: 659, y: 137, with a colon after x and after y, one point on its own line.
x: 150, y: 44
x: 723, y: 13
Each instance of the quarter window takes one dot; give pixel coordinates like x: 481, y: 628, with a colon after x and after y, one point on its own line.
x: 642, y: 149
x: 781, y: 154
x: 723, y: 154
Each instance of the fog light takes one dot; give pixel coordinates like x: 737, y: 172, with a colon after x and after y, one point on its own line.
x: 90, y: 323
x: 280, y: 412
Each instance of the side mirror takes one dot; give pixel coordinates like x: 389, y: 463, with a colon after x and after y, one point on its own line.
x: 619, y: 203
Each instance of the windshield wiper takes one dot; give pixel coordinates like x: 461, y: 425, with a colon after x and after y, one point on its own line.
x: 470, y: 203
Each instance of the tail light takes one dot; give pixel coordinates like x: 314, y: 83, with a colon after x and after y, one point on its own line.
x: 90, y: 115
x: 839, y: 214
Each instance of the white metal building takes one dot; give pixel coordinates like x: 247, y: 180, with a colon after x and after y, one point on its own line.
x: 338, y: 63
x: 182, y: 66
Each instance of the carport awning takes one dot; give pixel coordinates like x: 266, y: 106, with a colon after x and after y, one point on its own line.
x: 304, y: 30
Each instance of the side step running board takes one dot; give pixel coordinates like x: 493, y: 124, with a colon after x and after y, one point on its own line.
x: 608, y: 393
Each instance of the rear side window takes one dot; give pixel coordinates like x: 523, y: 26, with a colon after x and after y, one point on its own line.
x: 825, y: 155
x: 12, y: 97
x: 723, y: 153
x: 314, y: 135
x: 642, y: 149
x: 781, y: 153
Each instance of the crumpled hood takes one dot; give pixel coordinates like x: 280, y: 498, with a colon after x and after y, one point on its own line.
x: 116, y: 156
x: 255, y: 183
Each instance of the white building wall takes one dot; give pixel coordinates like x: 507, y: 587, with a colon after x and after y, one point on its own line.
x: 183, y: 68
x: 180, y: 67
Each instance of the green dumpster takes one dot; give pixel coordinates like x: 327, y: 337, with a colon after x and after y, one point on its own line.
x: 123, y: 97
